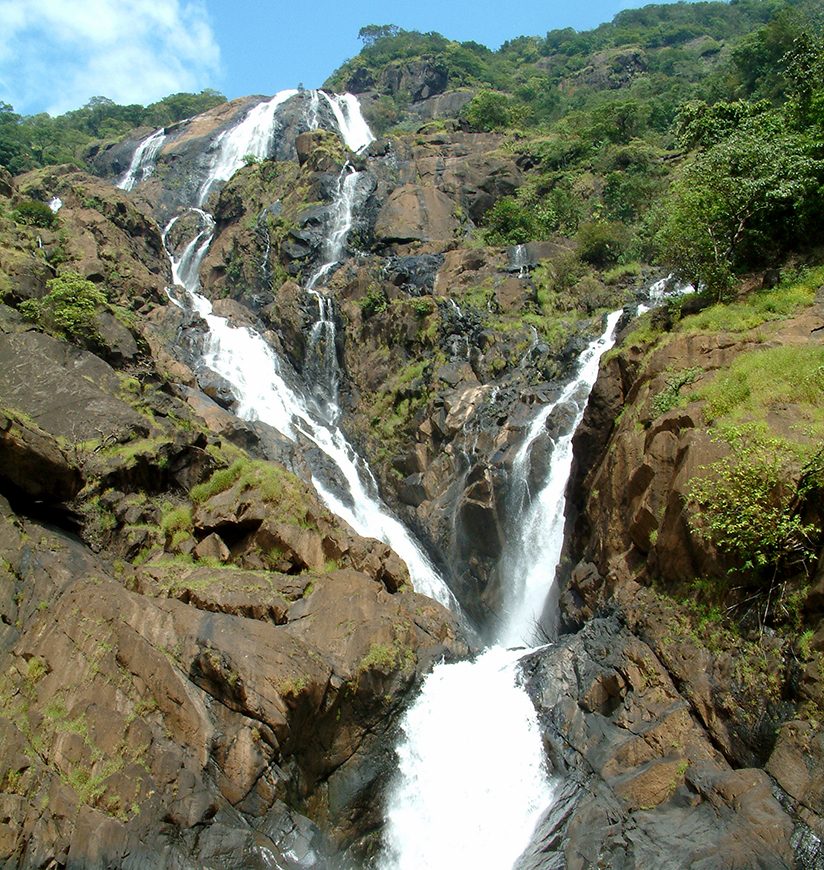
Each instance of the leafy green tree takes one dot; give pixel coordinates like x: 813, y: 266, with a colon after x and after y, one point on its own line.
x: 35, y: 214
x: 737, y: 201
x: 508, y: 223
x: 372, y: 33
x: 176, y: 107
x: 699, y: 125
x: 805, y: 73
x: 490, y: 110
x: 12, y: 147
x: 601, y: 243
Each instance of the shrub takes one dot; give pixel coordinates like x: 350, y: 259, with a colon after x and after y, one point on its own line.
x: 374, y: 302
x: 670, y: 396
x: 69, y: 308
x: 489, y: 110
x: 601, y: 243
x: 749, y: 505
x: 34, y: 213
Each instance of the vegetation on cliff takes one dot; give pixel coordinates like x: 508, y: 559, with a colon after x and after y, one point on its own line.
x: 28, y: 142
x: 255, y: 649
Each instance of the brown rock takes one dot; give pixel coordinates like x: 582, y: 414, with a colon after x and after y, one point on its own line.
x: 415, y: 213
x: 212, y: 547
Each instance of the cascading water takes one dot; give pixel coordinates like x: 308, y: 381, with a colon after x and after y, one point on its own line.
x: 537, y: 520
x: 350, y: 120
x: 471, y: 780
x: 252, y: 137
x: 321, y: 358
x: 143, y: 160
x: 456, y: 803
x: 520, y: 260
x: 662, y: 290
x: 265, y: 387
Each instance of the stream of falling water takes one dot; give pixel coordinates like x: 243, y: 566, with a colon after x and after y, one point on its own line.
x: 263, y: 384
x: 471, y: 779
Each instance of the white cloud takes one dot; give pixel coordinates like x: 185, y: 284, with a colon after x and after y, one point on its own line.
x: 56, y: 54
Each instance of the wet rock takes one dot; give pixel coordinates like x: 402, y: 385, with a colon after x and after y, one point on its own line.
x: 416, y: 274
x: 412, y: 490
x: 643, y: 786
x: 216, y: 387
x: 66, y: 391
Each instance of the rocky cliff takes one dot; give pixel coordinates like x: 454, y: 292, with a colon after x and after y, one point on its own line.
x: 202, y: 666
x: 687, y: 706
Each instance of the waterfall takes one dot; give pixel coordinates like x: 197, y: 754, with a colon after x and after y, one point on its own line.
x: 471, y: 779
x: 473, y: 782
x: 321, y: 356
x: 519, y: 260
x: 313, y: 110
x: 537, y: 522
x: 267, y: 389
x: 351, y: 123
x: 143, y: 160
x: 251, y: 137
x: 662, y: 290
x: 340, y: 223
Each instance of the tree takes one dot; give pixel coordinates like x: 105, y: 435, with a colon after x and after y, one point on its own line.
x: 372, y: 33
x: 699, y: 125
x: 737, y: 201
x: 12, y: 147
x: 490, y: 110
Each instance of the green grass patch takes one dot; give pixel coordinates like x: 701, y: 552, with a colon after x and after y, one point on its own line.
x: 176, y: 518
x: 277, y: 486
x: 761, y: 381
x: 220, y: 481
x: 759, y: 307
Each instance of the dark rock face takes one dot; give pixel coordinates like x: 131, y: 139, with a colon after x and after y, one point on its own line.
x: 610, y: 70
x: 643, y: 785
x: 414, y: 275
x: 67, y: 392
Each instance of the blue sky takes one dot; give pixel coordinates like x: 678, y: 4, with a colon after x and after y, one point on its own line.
x: 56, y: 54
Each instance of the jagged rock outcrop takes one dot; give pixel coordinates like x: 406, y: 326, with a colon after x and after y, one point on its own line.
x: 642, y: 784
x: 161, y: 721
x: 743, y: 682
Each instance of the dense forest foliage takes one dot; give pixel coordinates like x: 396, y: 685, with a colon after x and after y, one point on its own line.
x: 690, y: 134
x: 27, y: 142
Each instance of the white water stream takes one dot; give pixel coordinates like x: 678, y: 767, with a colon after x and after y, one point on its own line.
x: 262, y: 382
x: 471, y: 779
x: 537, y: 519
x: 143, y: 160
x: 251, y: 137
